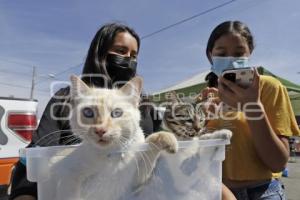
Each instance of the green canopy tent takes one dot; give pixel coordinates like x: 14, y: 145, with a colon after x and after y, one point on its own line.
x: 192, y: 87
x: 295, y: 100
x: 288, y: 84
x: 293, y: 89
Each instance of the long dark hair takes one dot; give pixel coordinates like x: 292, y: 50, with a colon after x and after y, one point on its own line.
x: 225, y: 28
x: 211, y: 79
x: 95, y: 63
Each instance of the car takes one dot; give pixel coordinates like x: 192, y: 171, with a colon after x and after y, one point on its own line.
x: 18, y: 120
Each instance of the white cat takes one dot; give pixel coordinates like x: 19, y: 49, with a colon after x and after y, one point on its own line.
x: 104, y: 166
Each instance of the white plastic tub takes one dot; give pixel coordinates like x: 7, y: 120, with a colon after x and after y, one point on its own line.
x: 182, y: 176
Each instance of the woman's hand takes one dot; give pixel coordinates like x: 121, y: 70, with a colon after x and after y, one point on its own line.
x: 210, y: 100
x: 235, y: 96
x: 209, y: 92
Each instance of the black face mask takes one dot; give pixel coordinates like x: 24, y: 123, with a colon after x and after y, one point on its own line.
x: 120, y: 68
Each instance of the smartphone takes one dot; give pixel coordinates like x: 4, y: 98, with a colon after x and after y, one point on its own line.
x: 241, y: 76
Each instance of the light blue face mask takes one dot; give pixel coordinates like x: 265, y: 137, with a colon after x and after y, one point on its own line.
x: 219, y: 64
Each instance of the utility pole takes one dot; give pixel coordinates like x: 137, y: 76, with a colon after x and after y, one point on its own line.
x: 33, y: 82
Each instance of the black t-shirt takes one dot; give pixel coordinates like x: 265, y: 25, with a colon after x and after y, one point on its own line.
x: 54, y: 130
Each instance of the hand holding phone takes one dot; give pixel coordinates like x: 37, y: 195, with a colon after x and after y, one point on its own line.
x: 235, y: 94
x: 241, y: 76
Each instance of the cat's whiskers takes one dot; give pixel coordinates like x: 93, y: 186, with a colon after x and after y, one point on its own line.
x: 53, y: 133
x: 228, y: 125
x: 182, y: 132
x: 208, y: 130
x: 156, y: 148
x: 147, y: 163
x: 135, y: 159
x: 153, y: 145
x: 122, y: 141
x: 145, y: 158
x: 145, y: 155
x: 58, y: 139
x: 147, y: 166
x: 71, y: 141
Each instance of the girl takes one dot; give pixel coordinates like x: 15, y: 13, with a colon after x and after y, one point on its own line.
x: 259, y: 146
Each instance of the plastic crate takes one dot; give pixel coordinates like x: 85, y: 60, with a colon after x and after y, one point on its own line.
x: 193, y: 173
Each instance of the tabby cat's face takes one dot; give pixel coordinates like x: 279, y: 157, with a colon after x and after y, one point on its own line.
x: 105, y: 117
x: 186, y: 120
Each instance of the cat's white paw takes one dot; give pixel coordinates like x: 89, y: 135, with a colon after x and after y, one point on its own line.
x: 164, y: 141
x: 219, y: 134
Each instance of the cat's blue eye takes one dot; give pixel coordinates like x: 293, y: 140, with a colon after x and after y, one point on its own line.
x: 88, y: 112
x: 117, y: 112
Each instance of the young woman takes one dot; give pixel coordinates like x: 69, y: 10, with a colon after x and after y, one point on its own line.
x: 259, y: 145
x: 111, y: 59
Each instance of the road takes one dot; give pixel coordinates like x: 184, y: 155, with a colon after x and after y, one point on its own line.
x: 292, y: 182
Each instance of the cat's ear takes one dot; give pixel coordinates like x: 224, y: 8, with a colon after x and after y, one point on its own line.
x: 133, y: 89
x: 78, y: 87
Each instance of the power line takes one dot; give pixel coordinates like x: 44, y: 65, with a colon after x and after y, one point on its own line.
x: 20, y: 73
x: 27, y: 74
x: 16, y: 62
x: 165, y: 28
x: 22, y: 86
x: 60, y: 73
x: 187, y: 19
x: 14, y: 73
x: 143, y: 37
x: 68, y: 69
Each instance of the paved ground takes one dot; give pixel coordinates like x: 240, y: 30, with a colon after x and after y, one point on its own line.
x: 292, y: 182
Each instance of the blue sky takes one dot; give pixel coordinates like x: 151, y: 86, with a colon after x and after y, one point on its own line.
x: 55, y: 35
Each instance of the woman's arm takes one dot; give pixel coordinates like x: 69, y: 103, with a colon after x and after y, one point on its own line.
x: 272, y: 149
x: 226, y: 193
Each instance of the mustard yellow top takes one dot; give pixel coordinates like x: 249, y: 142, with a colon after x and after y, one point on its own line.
x: 242, y: 162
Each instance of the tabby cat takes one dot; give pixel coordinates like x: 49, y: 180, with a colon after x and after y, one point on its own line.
x: 187, y: 119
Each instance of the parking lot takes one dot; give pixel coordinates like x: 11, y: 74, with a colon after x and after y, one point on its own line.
x: 292, y: 182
